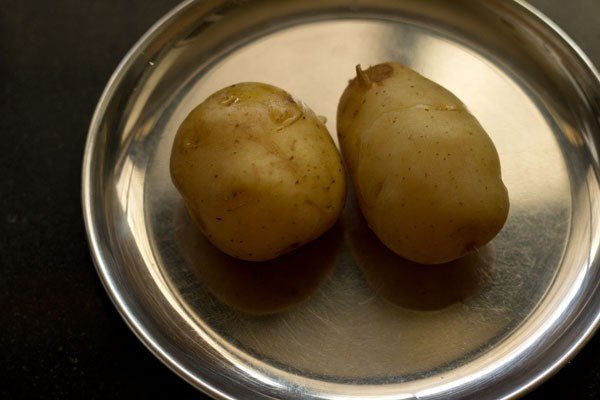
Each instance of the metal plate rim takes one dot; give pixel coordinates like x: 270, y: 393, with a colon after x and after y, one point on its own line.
x: 99, y: 259
x: 102, y: 260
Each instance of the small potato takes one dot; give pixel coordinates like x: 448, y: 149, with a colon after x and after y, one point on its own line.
x: 426, y: 174
x: 258, y: 171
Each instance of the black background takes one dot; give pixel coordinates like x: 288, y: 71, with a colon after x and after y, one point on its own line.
x: 60, y: 336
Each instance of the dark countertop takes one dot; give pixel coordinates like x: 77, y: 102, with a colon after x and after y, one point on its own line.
x: 60, y: 335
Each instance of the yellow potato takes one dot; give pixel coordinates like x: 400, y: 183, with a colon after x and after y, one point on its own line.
x: 427, y: 176
x: 258, y: 171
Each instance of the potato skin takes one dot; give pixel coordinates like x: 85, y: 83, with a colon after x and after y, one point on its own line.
x: 426, y: 174
x: 258, y: 171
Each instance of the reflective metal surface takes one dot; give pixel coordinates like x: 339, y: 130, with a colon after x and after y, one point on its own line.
x: 343, y: 317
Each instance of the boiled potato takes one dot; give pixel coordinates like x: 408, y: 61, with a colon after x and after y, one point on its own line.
x: 258, y: 171
x: 426, y: 174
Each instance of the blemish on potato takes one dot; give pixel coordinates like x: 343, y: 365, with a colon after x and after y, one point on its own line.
x: 380, y: 72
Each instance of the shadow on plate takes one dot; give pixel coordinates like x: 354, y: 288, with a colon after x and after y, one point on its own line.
x: 258, y: 288
x: 409, y: 284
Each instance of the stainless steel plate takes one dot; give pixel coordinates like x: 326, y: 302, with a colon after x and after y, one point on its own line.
x: 343, y: 318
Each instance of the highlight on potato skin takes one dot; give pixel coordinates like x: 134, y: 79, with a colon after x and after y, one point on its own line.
x: 426, y: 174
x: 258, y: 171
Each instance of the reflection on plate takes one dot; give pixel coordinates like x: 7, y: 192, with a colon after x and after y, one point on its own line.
x: 258, y: 288
x: 410, y: 284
